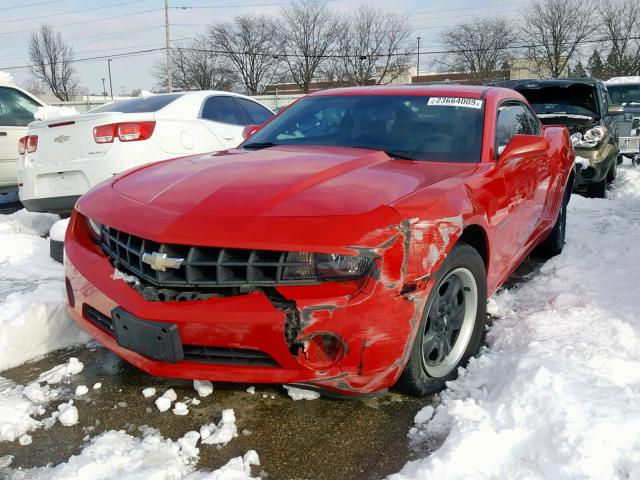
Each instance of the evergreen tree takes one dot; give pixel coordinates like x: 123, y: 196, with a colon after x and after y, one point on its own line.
x: 595, y: 66
x: 579, y: 71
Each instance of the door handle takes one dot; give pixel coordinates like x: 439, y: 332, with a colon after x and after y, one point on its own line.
x: 3, y: 134
x: 229, y: 138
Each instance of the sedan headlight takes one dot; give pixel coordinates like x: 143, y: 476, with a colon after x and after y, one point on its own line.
x: 325, y: 266
x: 94, y: 229
x: 591, y: 139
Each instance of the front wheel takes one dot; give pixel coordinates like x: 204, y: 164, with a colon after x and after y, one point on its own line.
x: 452, y: 325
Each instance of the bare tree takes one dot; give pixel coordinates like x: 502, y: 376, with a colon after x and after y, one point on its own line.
x: 250, y: 44
x: 374, y: 46
x: 309, y: 33
x: 52, y: 61
x: 554, y: 31
x: 195, y: 67
x: 478, y: 48
x: 35, y: 86
x: 621, y: 28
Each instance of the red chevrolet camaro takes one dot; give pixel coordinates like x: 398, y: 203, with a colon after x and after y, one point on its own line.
x: 348, y: 245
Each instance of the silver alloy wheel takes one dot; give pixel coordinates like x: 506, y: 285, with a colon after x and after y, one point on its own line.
x: 450, y: 322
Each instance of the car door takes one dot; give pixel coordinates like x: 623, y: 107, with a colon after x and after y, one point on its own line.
x: 522, y: 174
x: 16, y: 112
x: 223, y: 116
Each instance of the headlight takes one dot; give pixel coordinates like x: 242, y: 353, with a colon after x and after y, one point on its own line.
x: 591, y: 138
x: 94, y: 229
x: 325, y: 266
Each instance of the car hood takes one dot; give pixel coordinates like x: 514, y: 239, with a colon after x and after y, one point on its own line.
x: 289, y: 198
x: 281, y: 181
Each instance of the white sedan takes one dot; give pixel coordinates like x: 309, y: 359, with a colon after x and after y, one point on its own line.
x: 63, y: 158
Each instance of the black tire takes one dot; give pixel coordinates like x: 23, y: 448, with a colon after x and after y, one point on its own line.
x: 598, y: 190
x: 56, y: 250
x: 554, y: 243
x: 416, y: 378
x: 613, y: 172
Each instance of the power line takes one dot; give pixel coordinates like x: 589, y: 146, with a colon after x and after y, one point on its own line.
x: 30, y: 5
x: 85, y: 21
x: 38, y: 17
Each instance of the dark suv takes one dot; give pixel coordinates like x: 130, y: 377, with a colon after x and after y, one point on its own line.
x: 584, y: 107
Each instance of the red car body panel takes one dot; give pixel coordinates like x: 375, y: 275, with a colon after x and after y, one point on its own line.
x: 409, y: 214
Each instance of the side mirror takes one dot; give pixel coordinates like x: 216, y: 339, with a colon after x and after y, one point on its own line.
x: 521, y: 145
x: 249, y: 130
x: 615, y: 110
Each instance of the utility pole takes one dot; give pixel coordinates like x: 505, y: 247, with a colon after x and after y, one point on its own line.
x: 166, y: 32
x: 104, y: 90
x: 418, y: 65
x: 110, y: 84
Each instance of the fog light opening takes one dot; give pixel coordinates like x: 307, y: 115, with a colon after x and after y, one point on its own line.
x: 322, y: 350
x: 70, y: 296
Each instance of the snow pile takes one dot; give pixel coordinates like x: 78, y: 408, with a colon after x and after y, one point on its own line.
x: 223, y: 432
x: 6, y: 77
x: 58, y: 230
x: 50, y: 112
x: 164, y: 402
x: 33, y: 318
x: 16, y: 412
x: 557, y: 392
x: 301, y: 394
x: 67, y: 414
x: 60, y: 372
x: 203, y: 387
x: 148, y: 392
x: 115, y: 454
x: 581, y: 161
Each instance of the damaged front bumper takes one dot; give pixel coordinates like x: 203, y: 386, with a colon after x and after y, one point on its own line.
x: 339, y: 336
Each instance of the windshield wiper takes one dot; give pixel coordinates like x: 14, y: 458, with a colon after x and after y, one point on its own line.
x: 402, y: 154
x: 259, y: 145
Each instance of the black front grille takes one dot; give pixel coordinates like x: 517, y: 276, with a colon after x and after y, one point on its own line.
x: 227, y: 356
x: 205, y: 266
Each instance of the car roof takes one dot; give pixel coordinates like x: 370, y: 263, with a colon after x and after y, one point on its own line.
x: 204, y: 93
x: 470, y: 91
x: 547, y: 82
x: 630, y: 80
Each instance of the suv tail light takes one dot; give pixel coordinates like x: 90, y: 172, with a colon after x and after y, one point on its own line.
x: 28, y: 144
x: 125, y: 132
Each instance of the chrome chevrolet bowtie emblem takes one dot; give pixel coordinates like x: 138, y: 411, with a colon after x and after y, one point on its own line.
x: 61, y: 138
x: 160, y: 261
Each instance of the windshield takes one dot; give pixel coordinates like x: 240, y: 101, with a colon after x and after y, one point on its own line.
x: 573, y: 99
x: 444, y: 129
x: 139, y: 105
x: 624, y: 94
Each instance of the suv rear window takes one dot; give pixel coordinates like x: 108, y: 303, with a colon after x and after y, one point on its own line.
x: 573, y: 99
x: 140, y: 105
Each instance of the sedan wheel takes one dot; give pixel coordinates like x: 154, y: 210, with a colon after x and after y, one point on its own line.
x: 450, y: 323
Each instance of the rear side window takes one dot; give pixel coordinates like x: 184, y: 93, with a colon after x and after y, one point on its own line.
x: 257, y: 113
x: 224, y: 109
x: 140, y: 105
x: 513, y: 118
x: 16, y: 109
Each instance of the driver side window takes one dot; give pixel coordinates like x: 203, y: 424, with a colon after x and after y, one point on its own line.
x: 513, y: 119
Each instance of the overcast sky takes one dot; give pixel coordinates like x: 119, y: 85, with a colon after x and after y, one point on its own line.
x: 102, y: 27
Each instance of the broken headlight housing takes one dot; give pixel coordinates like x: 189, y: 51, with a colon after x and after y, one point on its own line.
x: 94, y: 229
x: 591, y: 139
x: 325, y: 266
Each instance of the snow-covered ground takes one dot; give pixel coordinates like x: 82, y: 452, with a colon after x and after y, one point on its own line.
x: 556, y: 392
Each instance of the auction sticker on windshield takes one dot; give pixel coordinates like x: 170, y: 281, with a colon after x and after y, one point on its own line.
x: 455, y: 102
